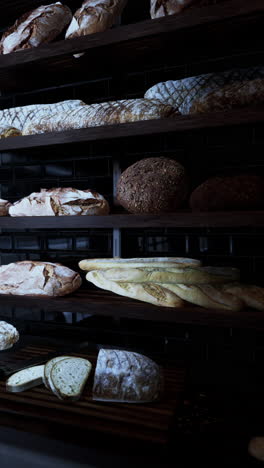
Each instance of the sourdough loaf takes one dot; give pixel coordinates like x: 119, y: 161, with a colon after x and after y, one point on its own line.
x: 153, y: 185
x: 32, y: 278
x: 61, y: 202
x: 253, y: 296
x: 236, y: 192
x: 146, y: 292
x: 41, y: 25
x: 160, y: 262
x: 94, y: 16
x: 4, y: 207
x: 105, y: 113
x: 159, y: 8
x: 125, y: 376
x: 6, y: 132
x: 8, y: 335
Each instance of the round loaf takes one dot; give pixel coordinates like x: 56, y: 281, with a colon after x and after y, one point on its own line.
x: 8, y: 335
x: 152, y: 185
x: 240, y: 192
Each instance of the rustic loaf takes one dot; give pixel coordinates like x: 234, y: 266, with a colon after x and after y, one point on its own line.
x: 161, y: 262
x: 182, y: 94
x: 4, y: 207
x: 41, y: 25
x: 159, y: 8
x: 6, y: 132
x: 105, y: 113
x: 32, y: 278
x: 125, y: 376
x: 8, y: 335
x: 61, y: 202
x: 152, y: 185
x: 253, y: 296
x: 146, y: 292
x: 94, y: 16
x: 235, y: 192
x: 206, y: 295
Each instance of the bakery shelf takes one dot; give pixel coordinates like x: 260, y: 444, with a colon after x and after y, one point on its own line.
x: 103, y: 303
x: 141, y: 44
x: 181, y: 219
x: 181, y: 123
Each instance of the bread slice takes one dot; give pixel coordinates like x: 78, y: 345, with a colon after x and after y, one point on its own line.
x: 47, y: 369
x: 206, y: 295
x: 69, y: 377
x: 253, y: 296
x: 160, y: 262
x: 25, y: 379
x: 146, y: 292
x: 171, y: 274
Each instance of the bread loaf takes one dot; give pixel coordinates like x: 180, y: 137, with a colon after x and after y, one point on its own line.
x: 32, y: 278
x: 206, y: 295
x: 160, y: 262
x: 182, y: 94
x: 152, y: 185
x: 8, y: 335
x: 41, y: 25
x: 159, y: 8
x: 146, y: 292
x: 95, y: 16
x: 6, y: 132
x: 253, y: 296
x: 61, y: 202
x: 184, y: 275
x: 105, y: 113
x: 4, y: 207
x: 238, y: 192
x: 256, y: 448
x: 125, y: 376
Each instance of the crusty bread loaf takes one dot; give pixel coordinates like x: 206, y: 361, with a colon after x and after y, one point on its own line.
x: 32, y: 278
x: 206, y: 295
x: 152, y: 185
x: 160, y: 8
x: 4, y: 207
x: 256, y: 448
x: 160, y: 262
x: 125, y: 376
x: 94, y: 16
x: 253, y: 296
x: 105, y: 113
x: 41, y: 25
x: 146, y: 292
x: 8, y: 335
x: 61, y: 202
x: 184, y: 275
x: 6, y: 132
x: 236, y: 192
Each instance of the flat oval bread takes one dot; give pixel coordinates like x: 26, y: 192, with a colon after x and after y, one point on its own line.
x: 160, y: 262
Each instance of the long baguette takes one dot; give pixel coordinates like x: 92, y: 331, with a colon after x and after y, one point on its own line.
x: 253, y: 296
x: 160, y: 262
x: 187, y: 275
x: 151, y: 293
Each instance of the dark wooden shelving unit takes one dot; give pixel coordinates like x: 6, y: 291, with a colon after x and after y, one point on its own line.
x: 179, y: 219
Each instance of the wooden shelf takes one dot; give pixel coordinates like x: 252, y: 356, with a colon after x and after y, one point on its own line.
x: 104, y: 303
x: 181, y: 123
x: 181, y: 219
x: 207, y: 32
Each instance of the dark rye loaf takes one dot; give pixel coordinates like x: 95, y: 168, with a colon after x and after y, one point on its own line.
x: 236, y: 192
x: 152, y: 185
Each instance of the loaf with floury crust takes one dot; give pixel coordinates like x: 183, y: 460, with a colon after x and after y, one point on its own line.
x: 8, y: 335
x: 18, y: 117
x: 124, y: 376
x: 6, y: 132
x: 160, y: 262
x: 105, y: 113
x: 94, y: 16
x: 146, y: 292
x: 33, y: 278
x: 61, y: 202
x: 36, y: 27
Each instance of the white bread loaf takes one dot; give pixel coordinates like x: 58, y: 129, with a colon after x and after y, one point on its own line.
x: 18, y: 117
x: 36, y: 27
x: 124, y: 376
x: 146, y: 292
x: 25, y: 379
x: 94, y: 16
x: 69, y: 377
x: 32, y: 278
x: 206, y: 295
x: 171, y: 274
x: 6, y: 132
x: 182, y: 94
x: 160, y: 262
x: 61, y: 202
x: 105, y: 113
x: 160, y: 8
x: 8, y: 335
x: 253, y: 296
x: 4, y: 207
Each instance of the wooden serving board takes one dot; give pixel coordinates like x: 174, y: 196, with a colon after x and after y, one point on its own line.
x: 144, y: 422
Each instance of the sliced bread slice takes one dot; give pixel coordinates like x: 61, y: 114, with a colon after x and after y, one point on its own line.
x: 48, y: 366
x: 69, y: 376
x: 25, y: 379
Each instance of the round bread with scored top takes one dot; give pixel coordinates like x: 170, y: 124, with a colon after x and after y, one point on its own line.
x: 152, y: 185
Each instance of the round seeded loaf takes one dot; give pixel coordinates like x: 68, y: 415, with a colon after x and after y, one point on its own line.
x: 152, y: 185
x: 239, y: 192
